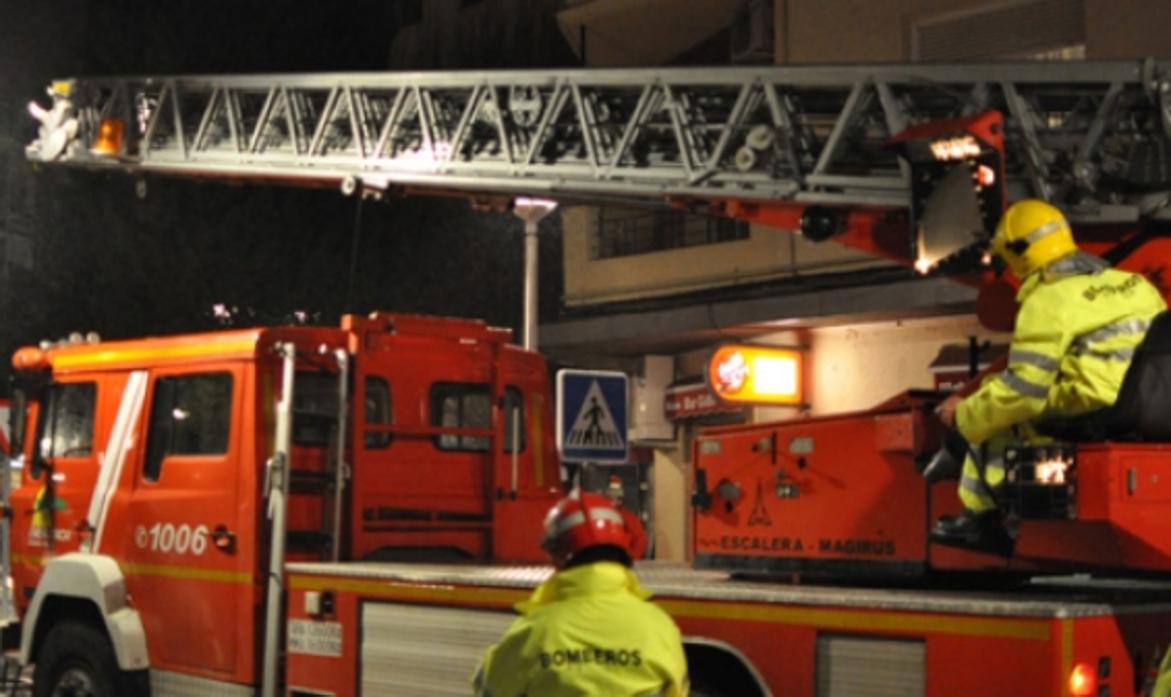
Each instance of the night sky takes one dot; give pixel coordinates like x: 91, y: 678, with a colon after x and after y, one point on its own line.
x: 108, y: 261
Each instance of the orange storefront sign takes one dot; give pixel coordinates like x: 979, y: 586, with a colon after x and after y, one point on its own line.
x: 756, y: 375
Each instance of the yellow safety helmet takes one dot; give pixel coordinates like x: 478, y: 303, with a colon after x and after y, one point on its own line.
x: 1031, y: 235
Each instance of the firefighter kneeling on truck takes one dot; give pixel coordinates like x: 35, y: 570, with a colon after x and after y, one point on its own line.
x: 1076, y: 332
x: 589, y: 629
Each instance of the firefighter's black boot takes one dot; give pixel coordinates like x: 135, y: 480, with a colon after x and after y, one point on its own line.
x: 981, y: 532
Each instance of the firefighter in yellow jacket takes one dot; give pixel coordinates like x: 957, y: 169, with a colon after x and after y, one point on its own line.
x: 1076, y: 331
x: 589, y: 629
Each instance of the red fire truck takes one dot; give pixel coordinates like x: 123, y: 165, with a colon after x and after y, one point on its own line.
x: 448, y: 456
x: 140, y: 514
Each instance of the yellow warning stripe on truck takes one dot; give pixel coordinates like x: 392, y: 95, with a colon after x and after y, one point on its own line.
x: 191, y: 573
x: 910, y: 622
x: 159, y: 570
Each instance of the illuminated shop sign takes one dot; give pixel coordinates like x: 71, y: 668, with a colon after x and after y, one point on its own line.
x: 756, y: 375
x: 693, y: 400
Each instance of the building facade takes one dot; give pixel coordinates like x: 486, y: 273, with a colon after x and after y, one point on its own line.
x: 653, y: 291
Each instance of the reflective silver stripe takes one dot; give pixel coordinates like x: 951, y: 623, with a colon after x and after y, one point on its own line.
x: 1122, y: 354
x: 1033, y: 358
x: 1018, y: 384
x: 1043, y: 231
x: 1077, y: 263
x: 606, y: 514
x: 975, y: 486
x: 566, y: 523
x: 1130, y: 325
x: 577, y: 518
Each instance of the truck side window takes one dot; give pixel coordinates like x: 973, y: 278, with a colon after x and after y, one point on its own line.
x: 461, y: 405
x: 190, y: 415
x: 377, y: 412
x: 513, y: 405
x: 66, y: 426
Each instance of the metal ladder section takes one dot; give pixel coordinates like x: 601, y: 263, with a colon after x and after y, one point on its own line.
x: 328, y: 484
x: 1092, y: 136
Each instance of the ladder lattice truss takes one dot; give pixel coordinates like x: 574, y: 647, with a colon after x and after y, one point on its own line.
x: 1093, y: 136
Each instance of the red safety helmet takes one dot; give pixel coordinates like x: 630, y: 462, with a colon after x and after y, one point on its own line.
x: 583, y: 520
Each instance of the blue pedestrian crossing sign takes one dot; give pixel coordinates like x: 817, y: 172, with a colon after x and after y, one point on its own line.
x: 591, y: 416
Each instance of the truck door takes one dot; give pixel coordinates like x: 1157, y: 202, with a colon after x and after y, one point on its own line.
x: 195, y: 596
x: 50, y: 504
x: 422, y: 455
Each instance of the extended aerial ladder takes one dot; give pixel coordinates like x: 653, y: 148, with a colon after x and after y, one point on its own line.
x: 761, y: 143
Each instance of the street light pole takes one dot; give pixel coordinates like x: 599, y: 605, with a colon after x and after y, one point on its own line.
x: 531, y: 211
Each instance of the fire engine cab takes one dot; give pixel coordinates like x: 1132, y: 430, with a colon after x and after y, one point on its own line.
x: 153, y: 453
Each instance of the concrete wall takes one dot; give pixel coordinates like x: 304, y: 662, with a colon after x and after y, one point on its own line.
x: 671, y: 484
x: 858, y: 366
x: 859, y: 31
x: 768, y: 254
x: 1128, y: 28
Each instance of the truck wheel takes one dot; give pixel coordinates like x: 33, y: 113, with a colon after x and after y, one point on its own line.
x: 77, y: 660
x: 701, y: 688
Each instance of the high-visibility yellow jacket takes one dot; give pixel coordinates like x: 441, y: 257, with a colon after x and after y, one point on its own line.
x: 1076, y: 332
x: 1162, y: 687
x: 588, y: 630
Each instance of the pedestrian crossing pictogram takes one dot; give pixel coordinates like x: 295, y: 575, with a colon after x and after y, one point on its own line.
x: 594, y: 425
x: 591, y: 416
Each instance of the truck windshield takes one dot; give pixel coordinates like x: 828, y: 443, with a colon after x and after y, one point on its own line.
x: 66, y: 423
x: 16, y: 422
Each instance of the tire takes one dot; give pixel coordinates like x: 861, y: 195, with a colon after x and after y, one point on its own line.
x: 77, y: 660
x: 704, y: 688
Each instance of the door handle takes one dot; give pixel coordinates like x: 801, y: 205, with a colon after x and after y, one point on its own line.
x: 223, y: 538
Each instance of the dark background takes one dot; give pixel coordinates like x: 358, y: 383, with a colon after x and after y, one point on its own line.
x: 106, y: 260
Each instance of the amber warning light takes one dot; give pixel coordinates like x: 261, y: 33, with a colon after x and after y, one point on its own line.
x: 109, y: 140
x: 756, y: 375
x: 955, y: 149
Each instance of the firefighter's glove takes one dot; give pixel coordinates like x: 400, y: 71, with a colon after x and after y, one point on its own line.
x: 947, y: 411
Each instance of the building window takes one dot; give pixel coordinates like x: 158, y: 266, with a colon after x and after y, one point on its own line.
x: 190, y: 415
x: 377, y: 413
x: 461, y: 405
x: 624, y: 232
x: 1061, y: 53
x: 1026, y: 29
